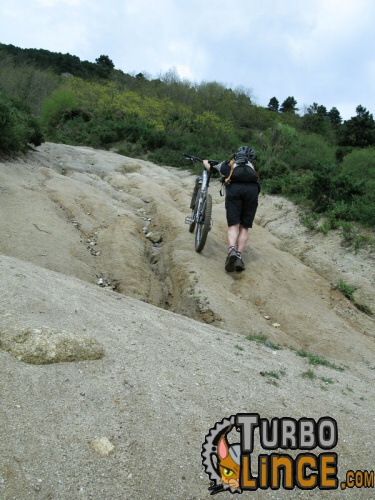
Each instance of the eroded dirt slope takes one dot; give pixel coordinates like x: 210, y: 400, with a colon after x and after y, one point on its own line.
x: 76, y: 253
x: 118, y: 221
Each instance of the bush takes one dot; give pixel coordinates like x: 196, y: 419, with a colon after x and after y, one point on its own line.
x: 10, y: 137
x: 57, y: 110
x: 346, y: 289
x: 308, y: 151
x: 340, y: 211
x: 360, y: 164
x: 363, y: 205
x: 18, y: 127
x: 299, y: 184
x: 273, y: 169
x: 165, y: 156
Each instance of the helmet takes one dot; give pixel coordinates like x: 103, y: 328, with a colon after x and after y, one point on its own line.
x: 244, y: 153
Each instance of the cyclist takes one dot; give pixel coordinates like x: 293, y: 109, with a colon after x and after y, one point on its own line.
x: 241, y: 202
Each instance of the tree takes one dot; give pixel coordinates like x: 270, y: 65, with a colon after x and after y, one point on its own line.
x: 317, y: 110
x: 105, y: 66
x: 359, y: 131
x: 273, y: 105
x: 289, y: 106
x: 316, y: 120
x: 334, y: 116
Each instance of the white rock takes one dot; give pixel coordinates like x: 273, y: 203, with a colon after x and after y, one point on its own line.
x: 102, y: 446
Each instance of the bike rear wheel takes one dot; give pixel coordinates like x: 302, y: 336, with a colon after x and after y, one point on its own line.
x: 204, y: 224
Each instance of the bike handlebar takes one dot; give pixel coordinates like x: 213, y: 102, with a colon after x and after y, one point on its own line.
x: 196, y: 159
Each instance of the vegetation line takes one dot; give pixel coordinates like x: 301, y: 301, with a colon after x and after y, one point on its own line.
x: 309, y: 156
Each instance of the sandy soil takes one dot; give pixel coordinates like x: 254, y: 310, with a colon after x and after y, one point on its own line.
x: 92, y: 242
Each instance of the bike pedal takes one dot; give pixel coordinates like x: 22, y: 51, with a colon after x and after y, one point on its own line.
x: 188, y: 220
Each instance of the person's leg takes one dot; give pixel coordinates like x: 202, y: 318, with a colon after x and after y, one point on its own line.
x: 233, y: 205
x: 238, y: 236
x: 243, y: 236
x: 232, y: 235
x: 249, y: 194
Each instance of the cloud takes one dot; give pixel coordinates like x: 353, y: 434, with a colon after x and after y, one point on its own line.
x: 56, y: 3
x: 328, y: 29
x: 315, y: 50
x: 54, y: 25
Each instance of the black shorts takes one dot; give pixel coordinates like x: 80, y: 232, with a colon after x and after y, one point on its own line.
x: 241, y: 203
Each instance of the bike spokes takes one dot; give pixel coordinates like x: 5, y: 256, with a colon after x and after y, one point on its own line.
x: 204, y: 224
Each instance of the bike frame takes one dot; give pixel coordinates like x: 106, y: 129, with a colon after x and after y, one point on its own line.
x: 201, y: 215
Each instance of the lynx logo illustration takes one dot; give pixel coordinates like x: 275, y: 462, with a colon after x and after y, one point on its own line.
x: 230, y: 466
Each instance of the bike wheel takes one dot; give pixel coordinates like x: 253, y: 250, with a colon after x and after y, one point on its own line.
x: 204, y: 224
x: 194, y: 212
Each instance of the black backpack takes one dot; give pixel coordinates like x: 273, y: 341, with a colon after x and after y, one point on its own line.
x: 241, y: 172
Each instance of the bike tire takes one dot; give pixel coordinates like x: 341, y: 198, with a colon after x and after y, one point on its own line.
x: 204, y: 225
x: 194, y: 212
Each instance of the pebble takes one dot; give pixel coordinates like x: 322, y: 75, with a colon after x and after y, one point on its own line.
x: 102, y: 446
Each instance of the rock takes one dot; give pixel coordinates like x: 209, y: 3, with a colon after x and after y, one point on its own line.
x: 364, y: 299
x: 156, y: 237
x: 102, y: 446
x: 102, y: 281
x: 45, y: 345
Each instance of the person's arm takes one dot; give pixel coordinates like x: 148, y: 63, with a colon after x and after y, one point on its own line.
x: 207, y: 166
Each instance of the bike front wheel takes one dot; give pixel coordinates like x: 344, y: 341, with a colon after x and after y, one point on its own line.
x: 204, y: 224
x: 194, y: 206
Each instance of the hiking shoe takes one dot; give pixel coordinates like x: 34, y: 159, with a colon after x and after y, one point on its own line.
x: 240, y: 266
x: 230, y: 263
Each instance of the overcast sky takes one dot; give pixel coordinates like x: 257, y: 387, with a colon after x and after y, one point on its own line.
x: 319, y: 51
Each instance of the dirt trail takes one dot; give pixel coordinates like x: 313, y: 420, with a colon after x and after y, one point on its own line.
x: 113, y: 229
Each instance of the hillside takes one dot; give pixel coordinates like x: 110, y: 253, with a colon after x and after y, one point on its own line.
x: 95, y: 244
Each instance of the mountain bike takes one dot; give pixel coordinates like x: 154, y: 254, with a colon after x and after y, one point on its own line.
x: 201, y: 205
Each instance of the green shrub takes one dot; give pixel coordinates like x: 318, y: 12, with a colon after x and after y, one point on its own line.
x: 166, y: 156
x: 274, y: 174
x: 346, y: 289
x: 340, y: 211
x: 57, y: 110
x: 325, y: 227
x: 363, y: 205
x: 18, y: 127
x: 360, y: 163
x: 315, y: 360
x: 308, y: 220
x: 308, y: 152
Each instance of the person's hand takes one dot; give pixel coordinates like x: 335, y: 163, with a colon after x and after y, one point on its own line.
x: 207, y: 166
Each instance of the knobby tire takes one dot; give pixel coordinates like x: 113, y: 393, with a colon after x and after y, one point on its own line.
x: 194, y: 212
x: 204, y: 224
